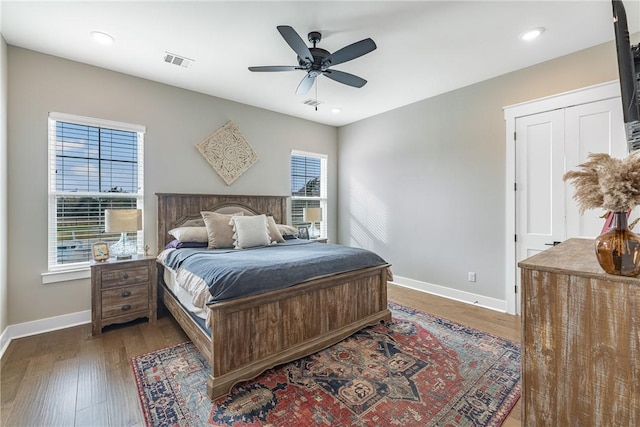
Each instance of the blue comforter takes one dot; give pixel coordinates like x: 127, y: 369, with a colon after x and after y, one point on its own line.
x: 232, y: 273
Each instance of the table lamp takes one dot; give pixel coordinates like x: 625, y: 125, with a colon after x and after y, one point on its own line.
x: 312, y: 215
x: 123, y: 221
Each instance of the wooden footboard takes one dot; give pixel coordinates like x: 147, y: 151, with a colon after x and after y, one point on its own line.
x: 251, y: 335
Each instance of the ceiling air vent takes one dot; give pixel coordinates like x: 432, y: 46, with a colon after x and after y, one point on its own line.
x: 312, y: 102
x: 174, y: 59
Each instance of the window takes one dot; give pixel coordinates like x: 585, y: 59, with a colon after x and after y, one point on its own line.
x: 308, y: 187
x: 93, y: 165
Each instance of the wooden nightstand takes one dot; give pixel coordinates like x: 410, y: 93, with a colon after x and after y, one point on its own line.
x: 123, y: 290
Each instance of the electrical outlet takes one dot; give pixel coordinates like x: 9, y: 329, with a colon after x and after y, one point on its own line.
x: 472, y: 276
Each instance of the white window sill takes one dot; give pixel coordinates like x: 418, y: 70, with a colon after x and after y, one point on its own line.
x: 66, y: 275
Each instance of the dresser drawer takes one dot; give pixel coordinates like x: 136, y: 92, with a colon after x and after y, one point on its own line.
x: 117, y: 302
x: 124, y: 276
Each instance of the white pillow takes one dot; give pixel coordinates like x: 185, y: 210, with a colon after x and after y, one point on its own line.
x: 250, y: 231
x: 190, y: 234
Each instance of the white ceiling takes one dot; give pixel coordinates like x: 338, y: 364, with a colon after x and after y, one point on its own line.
x: 424, y: 47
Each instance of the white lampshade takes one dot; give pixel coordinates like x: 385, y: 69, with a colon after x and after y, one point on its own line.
x: 123, y: 221
x: 312, y: 214
x: 119, y: 220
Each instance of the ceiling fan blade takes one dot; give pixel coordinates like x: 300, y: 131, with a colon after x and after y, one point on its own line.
x: 345, y: 78
x: 350, y: 52
x: 274, y: 68
x: 295, y: 42
x: 305, y: 84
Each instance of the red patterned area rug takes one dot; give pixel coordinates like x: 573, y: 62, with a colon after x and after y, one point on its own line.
x: 417, y: 370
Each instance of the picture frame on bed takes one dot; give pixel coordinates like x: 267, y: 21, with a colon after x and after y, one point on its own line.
x: 303, y: 233
x: 100, y: 251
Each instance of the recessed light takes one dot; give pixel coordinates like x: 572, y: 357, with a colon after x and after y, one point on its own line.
x: 102, y: 38
x: 531, y: 34
x: 336, y: 110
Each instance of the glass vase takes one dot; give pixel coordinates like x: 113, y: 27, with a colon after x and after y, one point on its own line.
x: 618, y: 250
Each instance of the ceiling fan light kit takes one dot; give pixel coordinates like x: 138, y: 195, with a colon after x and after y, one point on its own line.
x: 316, y: 61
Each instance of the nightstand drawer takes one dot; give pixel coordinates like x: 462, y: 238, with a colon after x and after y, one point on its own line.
x: 117, y: 302
x: 124, y: 276
x: 122, y: 291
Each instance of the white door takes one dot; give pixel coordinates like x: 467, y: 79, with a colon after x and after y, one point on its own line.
x: 596, y: 127
x: 547, y: 145
x: 539, y: 169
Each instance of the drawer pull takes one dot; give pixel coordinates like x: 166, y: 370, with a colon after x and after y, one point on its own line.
x: 126, y: 307
x: 126, y: 276
x: 126, y: 294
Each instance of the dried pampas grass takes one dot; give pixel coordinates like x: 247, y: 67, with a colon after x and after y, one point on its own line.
x: 606, y: 182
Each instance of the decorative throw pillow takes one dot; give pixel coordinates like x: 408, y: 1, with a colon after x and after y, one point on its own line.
x: 190, y: 234
x: 287, y: 230
x: 219, y: 232
x: 250, y: 231
x: 274, y: 233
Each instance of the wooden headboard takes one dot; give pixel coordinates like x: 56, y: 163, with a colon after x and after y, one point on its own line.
x: 174, y: 209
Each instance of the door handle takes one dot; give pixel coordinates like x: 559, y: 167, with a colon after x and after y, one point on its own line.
x: 555, y: 243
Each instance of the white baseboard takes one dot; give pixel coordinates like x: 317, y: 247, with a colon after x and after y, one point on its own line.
x: 40, y: 326
x: 4, y: 341
x: 455, y: 294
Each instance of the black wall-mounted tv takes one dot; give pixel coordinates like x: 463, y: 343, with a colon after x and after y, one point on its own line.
x: 629, y: 71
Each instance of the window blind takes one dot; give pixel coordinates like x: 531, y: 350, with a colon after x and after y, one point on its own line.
x: 93, y: 165
x: 308, y: 187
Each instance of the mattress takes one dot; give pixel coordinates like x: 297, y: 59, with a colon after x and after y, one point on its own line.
x: 184, y: 297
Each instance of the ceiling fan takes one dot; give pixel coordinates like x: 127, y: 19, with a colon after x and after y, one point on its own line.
x: 316, y: 61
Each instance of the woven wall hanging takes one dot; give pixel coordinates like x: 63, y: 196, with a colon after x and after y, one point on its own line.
x: 228, y: 152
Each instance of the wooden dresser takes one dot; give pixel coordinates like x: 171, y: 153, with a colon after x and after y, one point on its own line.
x: 580, y: 340
x: 123, y: 290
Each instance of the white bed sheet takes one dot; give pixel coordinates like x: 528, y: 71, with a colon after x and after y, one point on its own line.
x: 185, y: 298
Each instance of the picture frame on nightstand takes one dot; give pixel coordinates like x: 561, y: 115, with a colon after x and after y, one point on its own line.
x: 100, y: 251
x: 303, y: 233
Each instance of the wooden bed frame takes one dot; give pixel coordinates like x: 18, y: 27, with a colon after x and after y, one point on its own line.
x: 253, y: 334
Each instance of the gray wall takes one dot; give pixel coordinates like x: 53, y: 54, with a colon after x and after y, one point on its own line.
x: 3, y: 184
x: 424, y: 185
x: 176, y: 120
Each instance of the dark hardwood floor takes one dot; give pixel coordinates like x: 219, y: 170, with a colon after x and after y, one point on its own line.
x: 69, y: 378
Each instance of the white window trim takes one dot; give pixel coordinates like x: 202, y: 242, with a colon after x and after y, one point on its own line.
x: 91, y: 121
x: 82, y: 270
x: 66, y: 275
x: 323, y: 187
